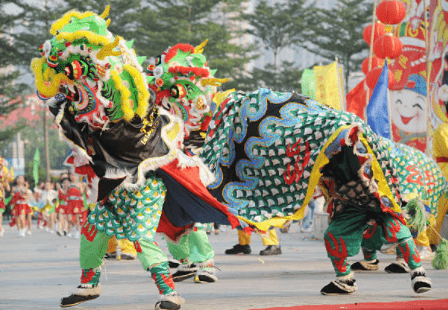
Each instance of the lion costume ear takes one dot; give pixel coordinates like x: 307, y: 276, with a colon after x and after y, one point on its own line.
x: 106, y: 12
x: 200, y: 48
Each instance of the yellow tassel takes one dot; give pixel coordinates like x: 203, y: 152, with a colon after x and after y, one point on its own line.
x: 106, y: 12
x: 128, y: 111
x: 108, y: 22
x: 200, y: 48
x: 213, y: 81
x: 107, y: 50
x: 91, y: 37
x: 64, y: 20
x: 143, y: 93
x: 42, y: 86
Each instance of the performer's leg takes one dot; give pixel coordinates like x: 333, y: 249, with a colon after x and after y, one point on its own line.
x: 93, y: 248
x: 270, y: 240
x: 442, y: 209
x: 243, y: 246
x: 396, y: 232
x: 201, y: 253
x: 371, y: 236
x: 155, y: 261
x: 127, y: 248
x: 342, y: 239
x: 111, y: 251
x: 181, y: 252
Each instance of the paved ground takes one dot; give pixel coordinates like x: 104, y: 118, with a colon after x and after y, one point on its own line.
x: 36, y: 271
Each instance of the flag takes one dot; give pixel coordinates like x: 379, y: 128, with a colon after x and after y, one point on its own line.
x: 378, y: 108
x: 328, y: 87
x: 36, y: 163
x: 308, y: 83
x: 356, y: 100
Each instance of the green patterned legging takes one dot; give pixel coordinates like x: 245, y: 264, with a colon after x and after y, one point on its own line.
x: 193, y: 247
x: 345, y: 233
x: 93, y: 248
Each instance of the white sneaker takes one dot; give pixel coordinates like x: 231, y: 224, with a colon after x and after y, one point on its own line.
x: 51, y: 231
x: 70, y: 235
x: 28, y: 232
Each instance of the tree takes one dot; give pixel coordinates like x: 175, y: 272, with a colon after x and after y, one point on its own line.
x: 274, y: 26
x: 339, y: 33
x: 162, y: 24
x: 286, y: 79
x: 11, y: 55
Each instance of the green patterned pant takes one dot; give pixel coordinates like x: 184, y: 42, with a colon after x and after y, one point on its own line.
x: 345, y: 233
x: 193, y: 247
x: 127, y: 214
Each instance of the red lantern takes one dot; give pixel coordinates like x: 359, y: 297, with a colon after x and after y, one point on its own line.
x: 387, y: 46
x: 376, y: 62
x: 379, y: 30
x: 374, y: 74
x: 391, y: 12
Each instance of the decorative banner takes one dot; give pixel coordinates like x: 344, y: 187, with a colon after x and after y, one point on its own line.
x: 420, y: 87
x: 328, y: 86
x: 377, y: 109
x: 36, y: 163
x: 308, y: 83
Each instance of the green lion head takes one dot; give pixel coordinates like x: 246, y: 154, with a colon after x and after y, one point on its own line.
x: 100, y: 74
x: 184, y: 83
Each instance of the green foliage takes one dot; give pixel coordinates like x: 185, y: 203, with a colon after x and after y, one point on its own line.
x: 338, y: 34
x: 440, y: 261
x: 11, y: 55
x: 286, y: 79
x: 275, y: 26
x: 162, y: 24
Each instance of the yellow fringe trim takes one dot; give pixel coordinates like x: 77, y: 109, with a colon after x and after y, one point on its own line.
x: 108, y: 22
x: 55, y: 81
x: 128, y: 111
x: 64, y: 20
x: 91, y: 37
x: 107, y: 50
x: 143, y: 93
x: 200, y: 48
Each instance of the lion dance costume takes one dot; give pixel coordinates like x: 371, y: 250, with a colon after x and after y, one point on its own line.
x: 94, y: 84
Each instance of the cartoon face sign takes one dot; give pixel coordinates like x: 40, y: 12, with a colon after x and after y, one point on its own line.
x: 408, y: 110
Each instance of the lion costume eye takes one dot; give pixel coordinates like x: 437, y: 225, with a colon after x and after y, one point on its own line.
x: 178, y: 91
x: 74, y: 70
x: 158, y: 60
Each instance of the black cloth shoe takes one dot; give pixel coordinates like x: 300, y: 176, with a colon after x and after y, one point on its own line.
x: 239, y: 249
x: 419, y: 281
x: 111, y: 255
x: 271, y: 250
x: 184, y: 272
x: 339, y: 287
x: 365, y: 265
x: 397, y: 267
x: 126, y: 256
x: 79, y: 297
x: 167, y: 305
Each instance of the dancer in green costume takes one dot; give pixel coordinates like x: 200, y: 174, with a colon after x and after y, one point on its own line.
x: 269, y: 150
x: 94, y: 84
